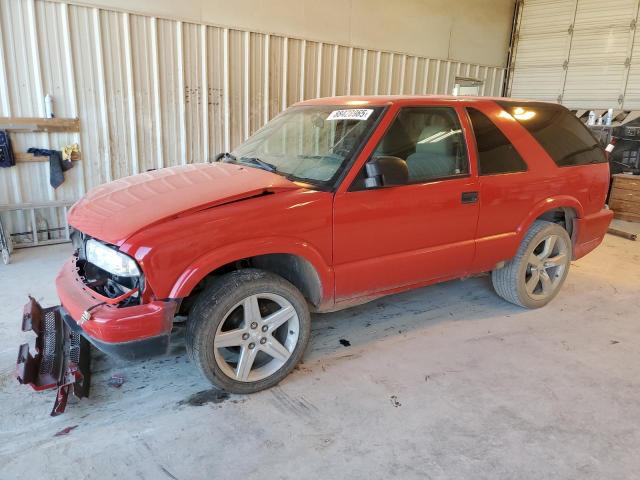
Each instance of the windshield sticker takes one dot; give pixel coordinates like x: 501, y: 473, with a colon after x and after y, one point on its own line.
x: 351, y: 114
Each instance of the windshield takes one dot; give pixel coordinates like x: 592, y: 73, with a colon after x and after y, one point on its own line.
x: 309, y: 143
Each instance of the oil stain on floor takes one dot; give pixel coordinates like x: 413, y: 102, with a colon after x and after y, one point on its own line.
x: 206, y: 396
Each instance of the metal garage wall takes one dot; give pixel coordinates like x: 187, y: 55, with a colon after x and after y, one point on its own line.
x: 152, y: 92
x: 578, y: 52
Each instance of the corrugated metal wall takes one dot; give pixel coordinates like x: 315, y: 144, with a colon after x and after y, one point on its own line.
x: 582, y: 53
x: 153, y: 92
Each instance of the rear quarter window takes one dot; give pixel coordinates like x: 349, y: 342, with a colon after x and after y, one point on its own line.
x: 565, y: 138
x: 496, y: 154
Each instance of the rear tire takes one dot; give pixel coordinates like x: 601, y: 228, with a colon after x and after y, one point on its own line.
x: 535, y: 275
x: 248, y: 330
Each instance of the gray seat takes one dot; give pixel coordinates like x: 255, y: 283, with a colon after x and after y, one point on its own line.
x: 433, y: 157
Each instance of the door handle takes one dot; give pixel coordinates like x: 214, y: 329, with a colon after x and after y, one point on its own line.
x: 469, y: 197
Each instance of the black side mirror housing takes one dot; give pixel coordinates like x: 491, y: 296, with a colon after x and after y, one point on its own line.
x: 386, y: 171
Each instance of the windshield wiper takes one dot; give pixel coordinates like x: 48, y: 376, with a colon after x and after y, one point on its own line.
x: 226, y: 155
x: 259, y: 163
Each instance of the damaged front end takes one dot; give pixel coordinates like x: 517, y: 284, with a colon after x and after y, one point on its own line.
x: 62, y: 355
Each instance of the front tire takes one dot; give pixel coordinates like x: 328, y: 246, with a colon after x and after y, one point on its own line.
x: 535, y: 275
x: 248, y: 330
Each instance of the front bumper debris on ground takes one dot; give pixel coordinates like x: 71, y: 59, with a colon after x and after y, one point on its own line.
x: 62, y: 355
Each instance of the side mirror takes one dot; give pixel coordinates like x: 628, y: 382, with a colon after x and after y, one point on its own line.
x: 385, y: 172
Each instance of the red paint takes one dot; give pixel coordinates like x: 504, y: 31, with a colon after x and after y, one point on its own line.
x: 181, y: 223
x: 115, y: 211
x: 108, y: 323
x: 176, y: 255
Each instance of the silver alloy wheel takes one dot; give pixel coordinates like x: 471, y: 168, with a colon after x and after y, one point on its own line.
x: 546, y: 266
x: 256, y: 337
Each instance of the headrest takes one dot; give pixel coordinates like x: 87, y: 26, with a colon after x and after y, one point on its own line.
x: 435, y: 139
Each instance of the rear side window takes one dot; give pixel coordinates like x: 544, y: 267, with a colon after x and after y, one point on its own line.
x: 565, y: 138
x: 496, y: 154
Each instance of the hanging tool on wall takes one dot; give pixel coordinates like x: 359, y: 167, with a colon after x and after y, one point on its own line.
x: 69, y: 150
x: 56, y: 165
x: 6, y: 152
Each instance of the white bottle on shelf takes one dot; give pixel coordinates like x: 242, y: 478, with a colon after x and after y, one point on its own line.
x: 609, y: 118
x: 48, y: 106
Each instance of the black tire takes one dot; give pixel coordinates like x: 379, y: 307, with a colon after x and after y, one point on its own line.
x: 216, y: 301
x: 509, y: 282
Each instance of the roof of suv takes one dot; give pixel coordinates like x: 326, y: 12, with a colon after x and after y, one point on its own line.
x: 379, y: 100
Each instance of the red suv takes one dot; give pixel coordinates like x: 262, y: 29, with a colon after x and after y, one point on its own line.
x: 334, y: 202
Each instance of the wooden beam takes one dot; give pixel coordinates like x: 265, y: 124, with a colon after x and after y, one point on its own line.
x: 30, y: 157
x: 35, y: 124
x: 623, y: 234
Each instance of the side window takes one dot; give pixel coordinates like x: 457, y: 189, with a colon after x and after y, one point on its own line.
x: 496, y: 154
x: 429, y: 140
x: 565, y: 138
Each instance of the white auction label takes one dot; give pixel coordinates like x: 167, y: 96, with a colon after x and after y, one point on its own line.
x: 351, y: 114
x: 610, y: 147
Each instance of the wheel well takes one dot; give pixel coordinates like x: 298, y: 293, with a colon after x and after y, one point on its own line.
x: 563, y: 216
x: 295, y: 269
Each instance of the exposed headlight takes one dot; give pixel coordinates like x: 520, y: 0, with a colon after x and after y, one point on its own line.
x: 111, y: 260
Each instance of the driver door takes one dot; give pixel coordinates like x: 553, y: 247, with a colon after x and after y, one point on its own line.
x: 390, y: 238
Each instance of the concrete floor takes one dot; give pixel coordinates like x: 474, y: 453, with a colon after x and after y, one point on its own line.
x: 443, y: 382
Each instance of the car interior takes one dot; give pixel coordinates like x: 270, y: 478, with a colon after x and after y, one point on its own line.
x: 428, y: 141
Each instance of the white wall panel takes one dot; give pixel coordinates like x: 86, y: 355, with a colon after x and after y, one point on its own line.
x: 89, y: 89
x: 541, y: 17
x: 462, y: 30
x: 145, y: 79
x: 215, y: 81
x: 632, y: 93
x: 153, y: 92
x: 593, y: 86
x: 117, y: 93
x: 537, y: 83
x: 544, y: 34
x: 549, y: 50
x: 599, y: 14
x: 193, y: 93
x: 171, y: 87
x: 578, y: 52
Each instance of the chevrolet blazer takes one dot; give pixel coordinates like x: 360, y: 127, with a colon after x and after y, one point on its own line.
x: 334, y: 202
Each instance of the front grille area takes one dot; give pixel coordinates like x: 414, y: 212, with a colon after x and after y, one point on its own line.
x: 74, y: 348
x: 48, y: 342
x: 52, y: 333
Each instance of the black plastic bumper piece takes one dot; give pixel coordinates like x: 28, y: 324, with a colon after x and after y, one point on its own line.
x: 135, y: 350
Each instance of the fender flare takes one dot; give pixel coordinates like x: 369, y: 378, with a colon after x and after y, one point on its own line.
x: 550, y: 203
x: 207, y: 263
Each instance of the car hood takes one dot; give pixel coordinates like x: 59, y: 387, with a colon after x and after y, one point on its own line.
x: 115, y: 211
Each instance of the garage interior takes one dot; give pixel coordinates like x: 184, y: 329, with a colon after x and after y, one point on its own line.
x: 447, y: 381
